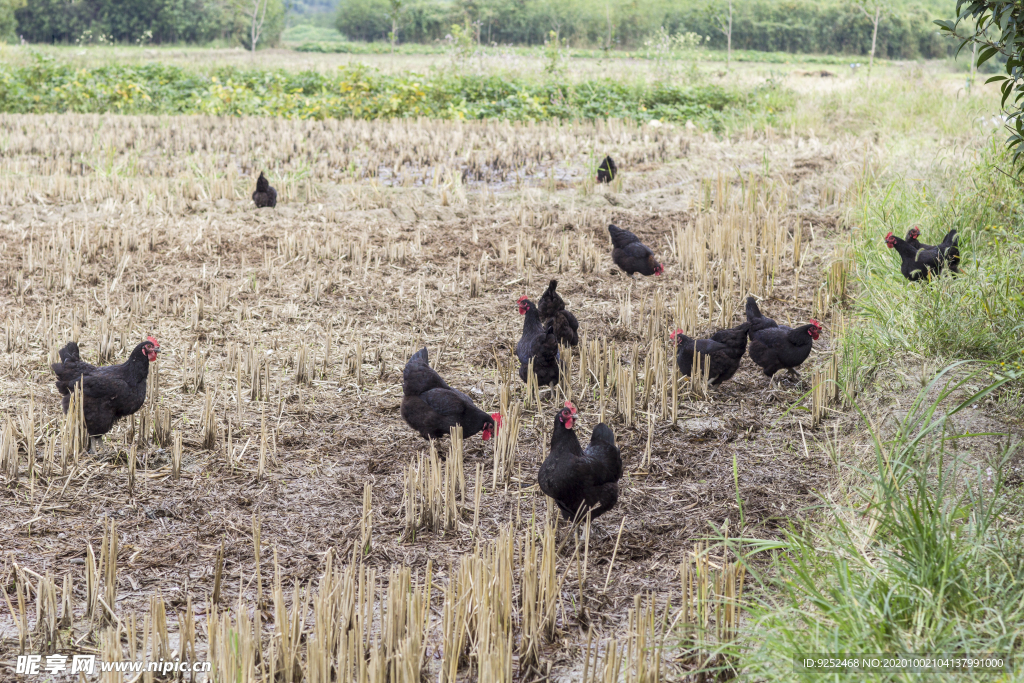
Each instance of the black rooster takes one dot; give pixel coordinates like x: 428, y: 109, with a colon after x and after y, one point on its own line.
x: 725, y: 348
x: 948, y: 248
x: 915, y: 264
x: 631, y: 255
x: 109, y: 393
x: 776, y: 347
x: 553, y: 314
x: 265, y: 196
x: 432, y: 408
x: 607, y: 171
x: 581, y: 480
x: 539, y: 343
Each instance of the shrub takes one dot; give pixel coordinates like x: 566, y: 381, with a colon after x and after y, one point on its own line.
x: 359, y: 92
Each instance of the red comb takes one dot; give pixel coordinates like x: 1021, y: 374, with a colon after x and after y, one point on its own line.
x: 570, y: 406
x: 672, y: 335
x: 522, y: 299
x: 815, y: 322
x: 153, y: 339
x: 889, y: 235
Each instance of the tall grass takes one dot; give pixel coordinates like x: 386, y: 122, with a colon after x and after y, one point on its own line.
x: 909, y: 105
x: 918, y: 558
x: 978, y: 314
x: 916, y: 550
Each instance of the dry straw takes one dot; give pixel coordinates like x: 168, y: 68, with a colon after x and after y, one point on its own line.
x: 699, y: 374
x: 499, y: 609
x: 505, y: 445
x: 176, y: 453
x: 366, y: 520
x: 497, y: 614
x: 824, y: 388
x: 208, y: 423
x: 432, y: 490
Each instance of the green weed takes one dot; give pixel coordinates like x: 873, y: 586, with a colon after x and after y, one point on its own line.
x: 357, y: 91
x: 918, y: 558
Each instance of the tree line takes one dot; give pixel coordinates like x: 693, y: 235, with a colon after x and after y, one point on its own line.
x: 905, y: 31
x: 138, y: 21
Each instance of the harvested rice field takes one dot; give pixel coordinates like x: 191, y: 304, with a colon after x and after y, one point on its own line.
x: 269, y: 510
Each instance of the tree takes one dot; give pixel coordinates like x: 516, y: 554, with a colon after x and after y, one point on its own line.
x: 126, y: 21
x: 394, y: 10
x: 257, y: 13
x: 608, y: 16
x: 8, y: 23
x: 874, y: 31
x: 259, y: 23
x: 363, y: 19
x: 998, y: 29
x: 725, y: 26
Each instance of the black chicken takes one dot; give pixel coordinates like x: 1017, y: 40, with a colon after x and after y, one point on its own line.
x: 776, y: 347
x: 539, y: 343
x: 109, y: 393
x: 553, y: 314
x: 631, y: 255
x: 265, y: 196
x: 607, y: 170
x: 948, y: 248
x: 915, y: 264
x: 432, y: 408
x: 725, y: 348
x: 581, y: 480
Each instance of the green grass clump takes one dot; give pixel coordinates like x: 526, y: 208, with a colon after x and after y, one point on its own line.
x: 918, y: 558
x: 361, y: 92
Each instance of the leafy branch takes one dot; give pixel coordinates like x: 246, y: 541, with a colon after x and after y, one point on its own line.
x: 998, y: 30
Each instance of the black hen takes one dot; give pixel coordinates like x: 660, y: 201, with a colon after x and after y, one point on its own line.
x: 725, y: 349
x: 948, y: 248
x: 539, y: 343
x: 607, y: 170
x: 581, y: 480
x: 631, y: 255
x: 265, y: 196
x: 109, y: 393
x: 916, y: 264
x: 777, y: 347
x: 553, y: 314
x: 432, y: 408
